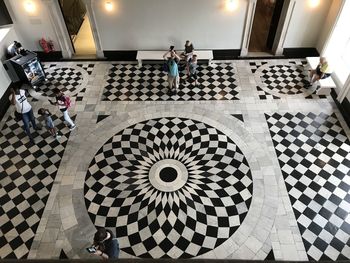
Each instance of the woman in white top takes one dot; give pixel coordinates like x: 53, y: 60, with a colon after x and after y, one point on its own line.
x: 19, y: 99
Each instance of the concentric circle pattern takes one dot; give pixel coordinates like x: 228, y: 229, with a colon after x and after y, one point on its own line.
x: 188, y: 222
x: 284, y: 79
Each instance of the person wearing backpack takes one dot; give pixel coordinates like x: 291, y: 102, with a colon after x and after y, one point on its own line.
x: 173, y: 70
x: 63, y: 102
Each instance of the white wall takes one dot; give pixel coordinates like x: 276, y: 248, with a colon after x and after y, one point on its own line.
x: 328, y: 24
x: 31, y: 28
x: 306, y: 24
x: 155, y: 24
x: 7, y: 39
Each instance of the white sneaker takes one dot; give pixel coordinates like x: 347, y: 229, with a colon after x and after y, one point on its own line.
x: 72, y: 127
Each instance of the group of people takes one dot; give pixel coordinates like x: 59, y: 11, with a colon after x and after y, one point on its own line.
x: 24, y: 111
x: 172, y: 60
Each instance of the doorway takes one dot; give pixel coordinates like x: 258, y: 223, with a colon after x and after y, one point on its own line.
x: 78, y: 27
x: 266, y: 18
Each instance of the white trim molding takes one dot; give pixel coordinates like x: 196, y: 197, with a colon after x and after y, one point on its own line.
x: 59, y: 26
x: 249, y: 19
x: 283, y: 26
x: 94, y: 28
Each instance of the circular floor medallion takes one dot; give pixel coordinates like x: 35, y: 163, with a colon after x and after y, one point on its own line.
x: 171, y: 188
x: 168, y: 174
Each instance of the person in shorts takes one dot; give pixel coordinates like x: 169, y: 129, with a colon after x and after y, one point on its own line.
x: 192, y: 69
x: 173, y: 70
x: 49, y: 123
x: 322, y: 71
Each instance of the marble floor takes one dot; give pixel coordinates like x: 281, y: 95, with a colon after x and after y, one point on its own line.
x: 247, y: 165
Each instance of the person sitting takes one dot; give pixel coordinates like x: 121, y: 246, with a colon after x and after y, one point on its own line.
x: 107, y: 246
x: 322, y: 71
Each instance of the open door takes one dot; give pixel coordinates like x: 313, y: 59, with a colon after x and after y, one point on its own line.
x: 78, y: 26
x: 266, y: 18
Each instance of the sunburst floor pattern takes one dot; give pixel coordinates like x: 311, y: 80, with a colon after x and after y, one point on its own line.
x: 171, y: 187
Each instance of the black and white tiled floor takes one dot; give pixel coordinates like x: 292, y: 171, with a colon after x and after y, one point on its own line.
x: 249, y: 165
x: 27, y: 175
x: 314, y: 155
x: 205, y: 202
x: 149, y: 83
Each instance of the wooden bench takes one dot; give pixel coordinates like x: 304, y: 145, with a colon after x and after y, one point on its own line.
x: 325, y: 85
x: 158, y: 55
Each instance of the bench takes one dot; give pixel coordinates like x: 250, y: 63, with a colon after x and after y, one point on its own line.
x: 158, y: 55
x: 325, y: 85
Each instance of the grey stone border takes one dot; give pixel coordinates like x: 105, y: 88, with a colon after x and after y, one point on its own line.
x: 79, y: 228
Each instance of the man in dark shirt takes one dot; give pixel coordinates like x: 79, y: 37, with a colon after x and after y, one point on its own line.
x: 106, y: 244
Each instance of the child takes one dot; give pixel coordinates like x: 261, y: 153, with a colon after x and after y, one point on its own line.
x: 49, y: 123
x: 61, y: 102
x: 192, y: 69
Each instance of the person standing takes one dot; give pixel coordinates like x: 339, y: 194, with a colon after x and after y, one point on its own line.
x: 107, y: 246
x: 63, y: 104
x: 173, y: 70
x: 192, y: 69
x: 49, y: 123
x: 19, y: 99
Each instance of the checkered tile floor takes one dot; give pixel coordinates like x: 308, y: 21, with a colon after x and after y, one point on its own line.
x: 66, y: 79
x: 88, y: 67
x: 27, y: 174
x: 282, y: 79
x: 149, y: 83
x: 184, y: 223
x: 314, y: 155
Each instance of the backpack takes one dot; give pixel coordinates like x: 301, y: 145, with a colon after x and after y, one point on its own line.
x: 67, y: 102
x: 165, y: 66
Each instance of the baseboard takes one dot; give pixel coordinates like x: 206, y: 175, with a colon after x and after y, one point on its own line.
x: 343, y: 107
x: 226, y: 54
x: 125, y: 55
x: 5, y: 102
x: 302, y: 52
x: 51, y: 56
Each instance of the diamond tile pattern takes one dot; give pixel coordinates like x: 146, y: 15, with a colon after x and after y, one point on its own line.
x: 285, y: 79
x: 27, y: 174
x: 88, y: 67
x: 149, y: 83
x: 66, y: 79
x: 184, y: 223
x: 314, y: 156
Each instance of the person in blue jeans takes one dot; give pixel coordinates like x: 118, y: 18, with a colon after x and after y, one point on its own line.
x: 107, y: 246
x: 19, y: 99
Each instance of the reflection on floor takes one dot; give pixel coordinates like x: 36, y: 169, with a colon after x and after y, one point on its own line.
x: 263, y: 174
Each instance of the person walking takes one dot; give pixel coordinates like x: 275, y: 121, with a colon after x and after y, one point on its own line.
x: 173, y: 70
x: 24, y: 109
x: 63, y: 103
